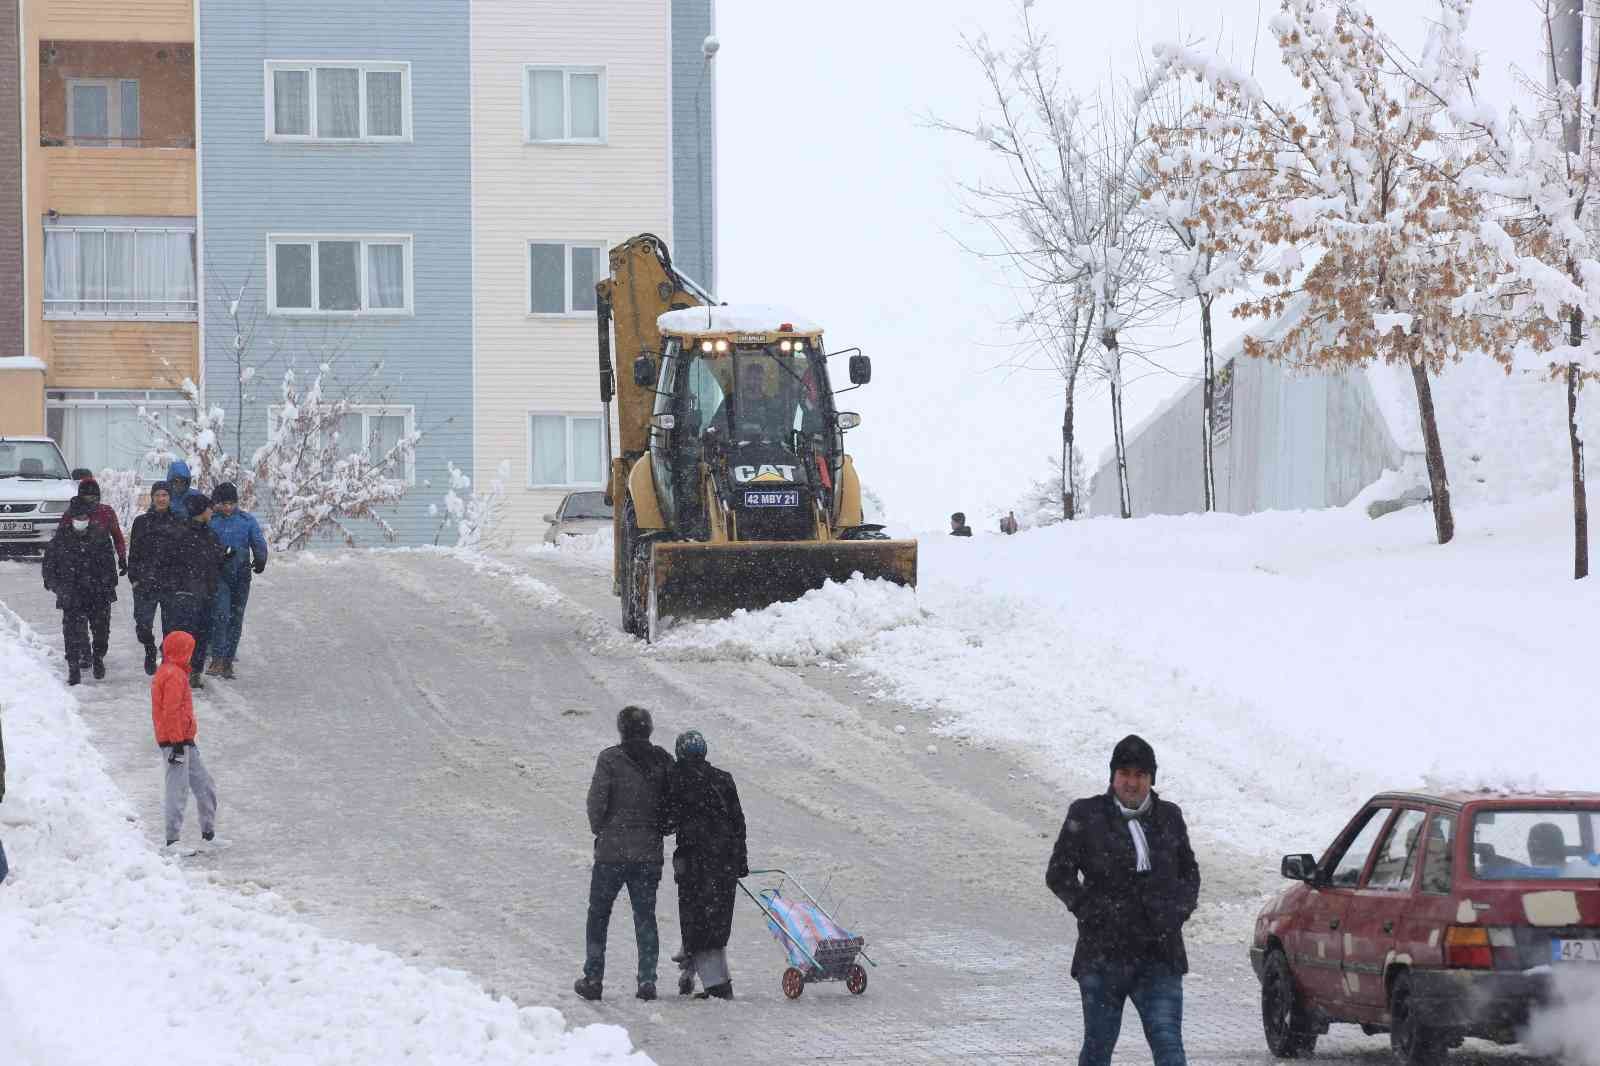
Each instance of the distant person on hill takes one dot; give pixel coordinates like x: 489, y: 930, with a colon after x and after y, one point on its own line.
x: 181, y: 484
x: 1123, y: 866
x: 958, y: 525
x: 172, y: 711
x: 193, y: 568
x: 1008, y: 524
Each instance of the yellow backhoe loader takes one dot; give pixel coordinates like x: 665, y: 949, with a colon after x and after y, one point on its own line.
x: 732, y: 487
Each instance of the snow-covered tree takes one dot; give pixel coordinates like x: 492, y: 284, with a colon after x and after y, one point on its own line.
x: 1365, y: 185
x: 119, y: 490
x: 479, y: 517
x: 1041, y: 504
x: 197, y: 437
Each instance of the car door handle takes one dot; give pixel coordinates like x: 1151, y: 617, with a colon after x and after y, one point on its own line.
x: 1388, y: 927
x: 1333, y: 923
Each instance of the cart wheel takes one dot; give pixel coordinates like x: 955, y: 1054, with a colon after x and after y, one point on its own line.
x: 855, y: 979
x: 794, y: 983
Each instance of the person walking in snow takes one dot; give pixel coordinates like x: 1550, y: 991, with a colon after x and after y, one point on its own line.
x: 104, y: 517
x: 172, y: 711
x: 1123, y: 866
x: 702, y: 803
x: 150, y: 546
x: 80, y: 567
x: 181, y: 485
x: 628, y: 821
x: 246, y: 550
x: 958, y: 525
x: 192, y: 572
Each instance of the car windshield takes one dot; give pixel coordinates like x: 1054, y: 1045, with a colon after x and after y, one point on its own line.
x: 1535, y: 844
x: 31, y: 459
x: 757, y: 392
x: 586, y: 505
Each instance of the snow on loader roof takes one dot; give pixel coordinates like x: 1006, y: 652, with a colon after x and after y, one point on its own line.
x: 722, y: 319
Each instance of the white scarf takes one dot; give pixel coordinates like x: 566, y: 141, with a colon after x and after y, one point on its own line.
x: 1141, y: 846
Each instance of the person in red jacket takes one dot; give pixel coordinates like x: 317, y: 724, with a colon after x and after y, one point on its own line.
x: 172, y: 709
x: 102, y: 517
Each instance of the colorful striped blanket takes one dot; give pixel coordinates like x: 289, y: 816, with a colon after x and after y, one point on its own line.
x: 807, y: 926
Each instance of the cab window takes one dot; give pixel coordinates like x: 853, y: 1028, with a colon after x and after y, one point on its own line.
x: 1438, y: 865
x: 1396, y: 863
x: 1347, y: 866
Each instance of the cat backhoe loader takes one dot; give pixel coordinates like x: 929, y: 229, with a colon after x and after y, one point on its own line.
x: 731, y: 487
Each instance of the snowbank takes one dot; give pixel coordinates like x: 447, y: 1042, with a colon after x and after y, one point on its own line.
x: 1284, y: 665
x: 112, y: 954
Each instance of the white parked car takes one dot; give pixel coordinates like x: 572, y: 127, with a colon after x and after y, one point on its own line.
x: 580, y: 513
x: 35, y: 487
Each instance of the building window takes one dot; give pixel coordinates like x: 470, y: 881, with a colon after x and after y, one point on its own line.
x: 101, y: 428
x: 338, y: 102
x: 103, y: 112
x: 368, y: 429
x: 564, y: 450
x: 124, y: 268
x: 565, y: 105
x: 562, y: 276
x: 339, y: 275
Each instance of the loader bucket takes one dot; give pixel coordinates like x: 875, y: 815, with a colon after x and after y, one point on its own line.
x: 692, y: 579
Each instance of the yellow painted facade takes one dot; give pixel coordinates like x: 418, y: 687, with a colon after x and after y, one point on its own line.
x: 96, y: 181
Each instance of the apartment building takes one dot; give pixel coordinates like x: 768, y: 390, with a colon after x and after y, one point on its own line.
x: 107, y: 248
x: 590, y: 124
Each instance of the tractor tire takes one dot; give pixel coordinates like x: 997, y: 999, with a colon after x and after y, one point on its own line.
x: 1287, y: 1025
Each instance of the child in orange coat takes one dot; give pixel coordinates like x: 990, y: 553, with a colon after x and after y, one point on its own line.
x: 172, y: 708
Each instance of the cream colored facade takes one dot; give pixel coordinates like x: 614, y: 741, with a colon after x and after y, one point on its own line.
x: 593, y: 193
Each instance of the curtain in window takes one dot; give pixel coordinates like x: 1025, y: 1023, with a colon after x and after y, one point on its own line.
x: 91, y: 268
x: 339, y: 275
x: 150, y: 274
x: 546, y: 106
x: 338, y: 102
x: 386, y: 276
x: 384, y: 111
x: 91, y: 112
x: 129, y: 131
x: 547, y: 269
x: 291, y: 102
x: 121, y: 266
x: 292, y: 275
x: 549, y: 450
x: 386, y: 431
x: 585, y: 265
x: 586, y: 460
x: 585, y: 105
x: 182, y: 293
x: 61, y: 271
x: 352, y: 431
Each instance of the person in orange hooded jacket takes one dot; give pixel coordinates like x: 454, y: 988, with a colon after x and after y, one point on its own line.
x: 172, y: 709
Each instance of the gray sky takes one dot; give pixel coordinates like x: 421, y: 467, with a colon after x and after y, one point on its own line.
x: 837, y: 199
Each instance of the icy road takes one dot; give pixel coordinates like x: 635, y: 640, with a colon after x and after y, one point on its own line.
x: 405, y: 756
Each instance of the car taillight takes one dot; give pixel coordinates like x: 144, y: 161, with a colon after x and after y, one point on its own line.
x: 1467, y: 947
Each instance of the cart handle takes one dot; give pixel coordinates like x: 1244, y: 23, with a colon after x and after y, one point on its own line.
x: 787, y: 876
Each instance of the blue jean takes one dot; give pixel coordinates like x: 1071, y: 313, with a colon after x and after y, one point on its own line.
x: 1157, y: 994
x: 227, y: 611
x: 192, y: 614
x: 144, y: 613
x: 605, y: 882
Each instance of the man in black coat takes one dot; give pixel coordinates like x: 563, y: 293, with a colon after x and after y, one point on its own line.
x: 149, y: 569
x: 80, y: 567
x: 190, y: 572
x: 1123, y: 866
x: 703, y: 804
x: 628, y: 821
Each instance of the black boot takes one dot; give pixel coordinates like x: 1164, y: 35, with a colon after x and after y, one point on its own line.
x: 74, y: 674
x: 196, y: 679
x: 99, y: 669
x: 722, y: 991
x: 686, y: 985
x: 587, y: 987
x: 150, y: 660
x: 647, y: 990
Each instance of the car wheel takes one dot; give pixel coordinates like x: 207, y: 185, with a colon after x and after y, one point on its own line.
x: 1285, y: 1021
x: 1413, y: 1043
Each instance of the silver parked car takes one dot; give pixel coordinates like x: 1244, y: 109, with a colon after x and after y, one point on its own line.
x: 580, y: 513
x: 35, y: 487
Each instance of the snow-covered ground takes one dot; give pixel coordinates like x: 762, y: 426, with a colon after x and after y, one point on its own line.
x: 113, y: 954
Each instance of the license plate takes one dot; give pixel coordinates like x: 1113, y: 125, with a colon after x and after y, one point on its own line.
x: 16, y: 527
x: 785, y: 498
x: 1575, y: 950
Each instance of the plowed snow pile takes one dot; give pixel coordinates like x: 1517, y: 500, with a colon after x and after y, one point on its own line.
x: 1284, y: 665
x: 109, y: 953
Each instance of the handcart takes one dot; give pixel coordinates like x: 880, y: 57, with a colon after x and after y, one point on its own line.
x: 819, y: 948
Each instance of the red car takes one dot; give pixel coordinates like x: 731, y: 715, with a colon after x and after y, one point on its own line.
x: 1432, y: 917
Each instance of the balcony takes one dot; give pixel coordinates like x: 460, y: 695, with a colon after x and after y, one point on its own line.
x: 120, y: 181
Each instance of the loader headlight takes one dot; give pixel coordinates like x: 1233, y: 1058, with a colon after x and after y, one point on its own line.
x: 849, y: 420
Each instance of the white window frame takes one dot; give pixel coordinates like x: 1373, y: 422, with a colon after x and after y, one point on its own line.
x: 68, y: 401
x: 566, y: 103
x: 79, y: 224
x: 567, y: 311
x: 366, y: 411
x: 569, y: 485
x: 365, y: 240
x: 364, y: 67
x: 114, y: 132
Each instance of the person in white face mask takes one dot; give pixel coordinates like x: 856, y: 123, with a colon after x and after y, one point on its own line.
x: 80, y: 567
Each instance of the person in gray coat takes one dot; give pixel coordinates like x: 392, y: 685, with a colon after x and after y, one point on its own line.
x: 627, y: 817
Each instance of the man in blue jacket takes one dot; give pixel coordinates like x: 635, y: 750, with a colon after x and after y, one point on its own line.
x: 182, y: 488
x: 245, y: 552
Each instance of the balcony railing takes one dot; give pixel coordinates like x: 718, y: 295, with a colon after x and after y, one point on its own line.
x: 124, y: 310
x: 116, y: 142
